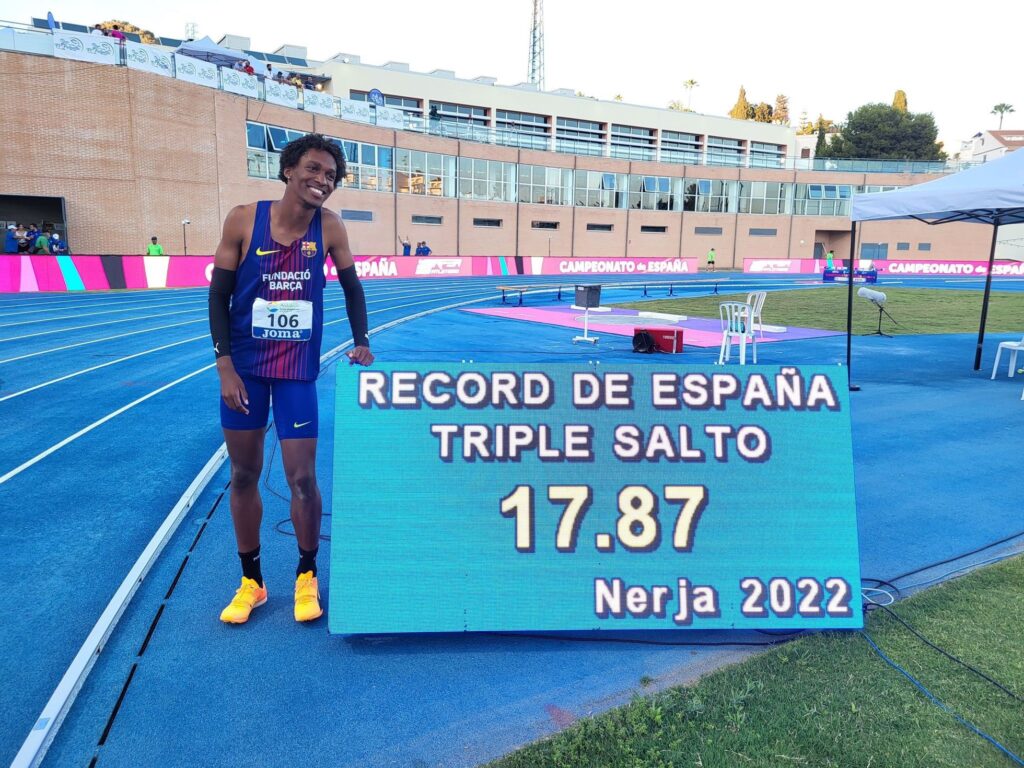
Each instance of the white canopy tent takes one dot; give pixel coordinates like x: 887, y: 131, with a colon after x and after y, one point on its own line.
x: 991, y: 193
x: 207, y: 50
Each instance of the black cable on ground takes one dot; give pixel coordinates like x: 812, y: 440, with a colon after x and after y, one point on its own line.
x: 950, y: 656
x: 937, y: 702
x: 1011, y: 537
x: 633, y: 641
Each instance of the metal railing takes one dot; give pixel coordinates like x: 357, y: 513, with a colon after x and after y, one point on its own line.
x: 26, y: 39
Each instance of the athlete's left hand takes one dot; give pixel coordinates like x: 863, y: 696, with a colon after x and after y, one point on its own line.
x: 361, y: 355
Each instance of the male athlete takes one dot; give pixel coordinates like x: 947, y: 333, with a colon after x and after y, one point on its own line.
x: 266, y: 320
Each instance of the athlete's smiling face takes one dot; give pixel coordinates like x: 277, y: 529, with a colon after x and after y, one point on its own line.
x: 314, y: 177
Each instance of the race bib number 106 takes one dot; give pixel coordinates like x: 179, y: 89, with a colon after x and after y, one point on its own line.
x: 289, y: 320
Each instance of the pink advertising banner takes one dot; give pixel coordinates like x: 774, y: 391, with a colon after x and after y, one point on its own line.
x: 26, y: 274
x: 889, y: 267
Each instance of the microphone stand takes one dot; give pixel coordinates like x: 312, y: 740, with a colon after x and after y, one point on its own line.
x: 881, y: 311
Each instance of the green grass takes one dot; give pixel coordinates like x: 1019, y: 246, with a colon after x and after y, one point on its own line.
x: 917, y: 310
x: 829, y: 700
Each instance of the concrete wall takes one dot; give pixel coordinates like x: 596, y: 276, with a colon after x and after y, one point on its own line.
x: 134, y: 154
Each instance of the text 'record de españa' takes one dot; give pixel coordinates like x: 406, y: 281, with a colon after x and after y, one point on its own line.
x: 505, y: 497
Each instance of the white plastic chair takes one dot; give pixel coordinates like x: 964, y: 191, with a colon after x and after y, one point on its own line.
x: 756, y: 301
x: 736, y: 325
x: 1013, y: 347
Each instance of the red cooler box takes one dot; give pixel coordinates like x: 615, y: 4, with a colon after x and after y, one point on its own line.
x: 666, y: 339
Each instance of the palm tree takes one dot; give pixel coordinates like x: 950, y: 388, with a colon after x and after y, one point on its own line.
x: 1001, y: 110
x: 689, y: 85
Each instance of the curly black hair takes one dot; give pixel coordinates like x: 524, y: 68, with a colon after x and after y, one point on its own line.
x: 294, y: 150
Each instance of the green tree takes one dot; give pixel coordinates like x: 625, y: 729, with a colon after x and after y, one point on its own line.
x: 763, y: 112
x: 880, y: 131
x: 899, y: 101
x: 742, y: 109
x: 689, y: 85
x: 821, y: 146
x: 617, y: 97
x: 780, y: 114
x: 806, y: 128
x: 678, y: 106
x: 1001, y: 110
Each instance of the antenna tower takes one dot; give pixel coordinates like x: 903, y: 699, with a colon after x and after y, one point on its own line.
x: 537, y: 45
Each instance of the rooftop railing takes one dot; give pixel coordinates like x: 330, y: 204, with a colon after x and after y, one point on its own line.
x: 27, y: 39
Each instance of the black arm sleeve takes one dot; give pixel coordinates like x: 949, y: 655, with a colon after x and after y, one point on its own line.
x: 222, y: 284
x: 355, y: 306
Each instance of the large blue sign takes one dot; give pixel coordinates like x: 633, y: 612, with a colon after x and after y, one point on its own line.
x: 561, y: 497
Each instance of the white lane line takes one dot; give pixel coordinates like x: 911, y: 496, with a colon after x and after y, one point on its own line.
x: 85, y: 430
x: 34, y: 748
x: 49, y: 721
x: 97, y: 341
x: 97, y: 303
x: 130, y: 357
x: 98, y: 423
x: 333, y: 303
x: 192, y: 307
x: 91, y: 297
x: 101, y: 365
x: 94, y: 325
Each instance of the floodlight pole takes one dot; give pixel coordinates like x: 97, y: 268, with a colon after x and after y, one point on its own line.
x: 988, y: 290
x: 849, y: 306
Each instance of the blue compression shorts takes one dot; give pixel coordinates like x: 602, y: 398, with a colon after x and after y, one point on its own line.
x: 295, y: 407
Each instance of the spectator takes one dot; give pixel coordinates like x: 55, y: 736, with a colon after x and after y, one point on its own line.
x: 21, y: 235
x: 41, y: 244
x: 11, y: 240
x: 154, y: 248
x: 32, y: 234
x: 97, y: 30
x: 59, y: 247
x: 115, y: 31
x: 239, y: 65
x: 247, y: 68
x: 830, y: 262
x: 422, y: 249
x: 406, y: 245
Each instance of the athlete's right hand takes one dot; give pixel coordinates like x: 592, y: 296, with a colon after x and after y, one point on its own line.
x: 232, y: 390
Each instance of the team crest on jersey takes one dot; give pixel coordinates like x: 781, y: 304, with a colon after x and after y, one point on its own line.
x: 309, y: 248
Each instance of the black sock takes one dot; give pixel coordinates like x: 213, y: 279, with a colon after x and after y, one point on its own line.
x: 307, y: 561
x: 251, y: 565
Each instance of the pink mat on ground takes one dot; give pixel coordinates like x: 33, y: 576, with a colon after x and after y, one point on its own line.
x: 691, y: 336
x: 697, y: 331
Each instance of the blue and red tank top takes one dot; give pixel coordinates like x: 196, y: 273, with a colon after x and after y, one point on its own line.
x: 277, y: 307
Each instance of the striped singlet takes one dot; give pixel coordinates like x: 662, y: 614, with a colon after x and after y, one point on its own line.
x: 277, y: 307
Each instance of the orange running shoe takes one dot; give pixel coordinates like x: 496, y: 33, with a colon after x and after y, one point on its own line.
x: 307, y: 597
x: 248, y: 596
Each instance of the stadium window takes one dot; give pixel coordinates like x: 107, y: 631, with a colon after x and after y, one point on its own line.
x: 924, y: 246
x: 600, y: 227
x: 707, y: 230
x: 544, y: 224
x: 351, y: 215
x: 487, y: 222
x: 902, y: 246
x: 651, y: 230
x: 256, y: 136
x: 762, y: 232
x: 434, y: 220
